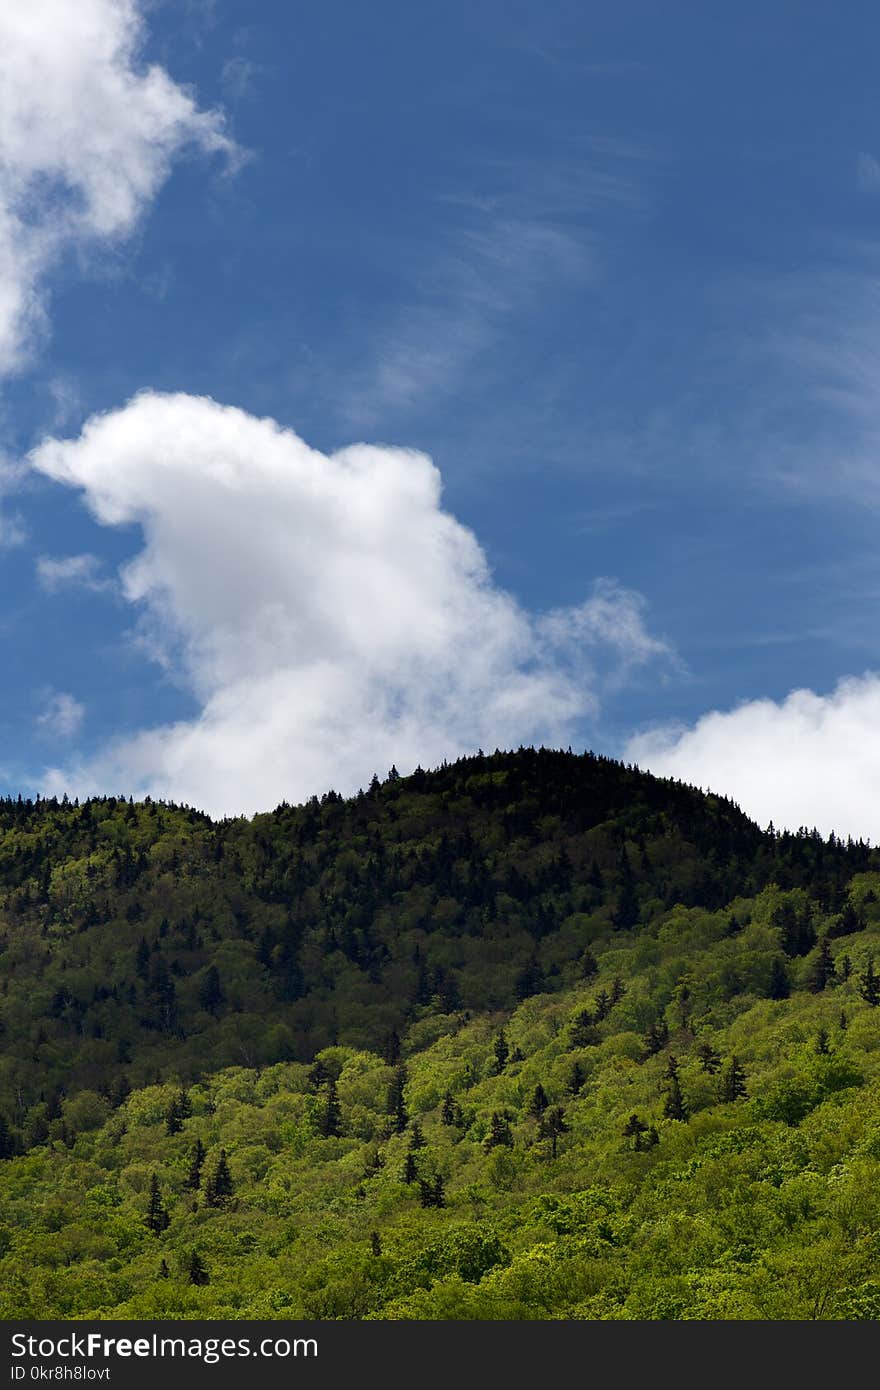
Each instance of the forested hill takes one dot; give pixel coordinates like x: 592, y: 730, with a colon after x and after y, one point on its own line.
x: 529, y: 1036
x: 143, y: 939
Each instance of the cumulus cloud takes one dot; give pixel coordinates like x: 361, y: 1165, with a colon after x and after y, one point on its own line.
x: 87, y: 137
x: 61, y: 715
x: 329, y: 616
x: 810, y: 759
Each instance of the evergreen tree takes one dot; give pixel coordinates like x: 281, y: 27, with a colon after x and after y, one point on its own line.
x: 869, y: 984
x: 396, y: 1105
x: 822, y: 971
x: 576, y: 1079
x: 447, y: 1113
x: 218, y: 1188
x: 710, y: 1060
x: 674, y: 1107
x: 500, y: 1135
x: 330, y: 1120
x: 635, y: 1129
x: 539, y: 1102
x: 194, y: 1177
x: 157, y: 1218
x: 733, y: 1081
x: 197, y: 1272
x: 502, y: 1053
x: 375, y: 1244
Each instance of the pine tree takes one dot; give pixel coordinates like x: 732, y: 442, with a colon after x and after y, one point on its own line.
x: 164, y: 1271
x: 197, y: 1272
x: 416, y: 1137
x: 375, y: 1244
x: 194, y: 1177
x: 583, y: 1030
x: 576, y: 1079
x: 396, y: 1105
x: 218, y: 1187
x: 447, y: 1113
x: 674, y: 1107
x: 499, y: 1135
x: 502, y: 1053
x: 733, y: 1081
x: 869, y: 984
x: 822, y: 971
x: 157, y: 1218
x: 410, y: 1168
x: 635, y: 1129
x: 330, y: 1120
x: 710, y: 1060
x: 822, y: 1047
x: 539, y: 1102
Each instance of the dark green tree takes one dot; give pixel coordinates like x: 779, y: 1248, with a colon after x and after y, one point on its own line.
x: 869, y: 984
x: 157, y: 1218
x: 502, y: 1052
x: 732, y: 1085
x: 197, y: 1272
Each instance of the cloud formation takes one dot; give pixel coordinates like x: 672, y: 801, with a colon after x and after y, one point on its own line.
x: 61, y: 716
x: 87, y: 137
x: 70, y: 571
x: 327, y: 614
x: 809, y: 760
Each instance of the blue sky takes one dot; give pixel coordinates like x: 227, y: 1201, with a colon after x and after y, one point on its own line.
x: 615, y: 271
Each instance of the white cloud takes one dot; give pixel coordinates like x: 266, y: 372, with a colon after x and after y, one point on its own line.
x: 70, y: 571
x: 809, y: 760
x: 87, y: 137
x: 61, y: 716
x: 328, y: 615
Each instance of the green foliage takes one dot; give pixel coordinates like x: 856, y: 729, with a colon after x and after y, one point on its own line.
x: 531, y: 1036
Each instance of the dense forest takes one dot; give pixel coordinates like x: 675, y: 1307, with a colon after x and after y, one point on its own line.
x: 531, y: 1035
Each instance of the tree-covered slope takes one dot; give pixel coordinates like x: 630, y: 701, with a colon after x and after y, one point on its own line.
x: 531, y: 1035
x: 138, y: 938
x: 656, y: 1142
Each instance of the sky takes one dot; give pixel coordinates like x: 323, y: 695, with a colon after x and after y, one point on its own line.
x: 378, y: 383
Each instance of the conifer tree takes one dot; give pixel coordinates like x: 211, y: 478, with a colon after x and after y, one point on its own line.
x: 194, y: 1177
x: 330, y: 1120
x: 499, y: 1132
x: 733, y: 1081
x: 710, y: 1060
x: 157, y: 1218
x: 869, y: 984
x: 396, y: 1105
x: 539, y: 1102
x: 502, y: 1053
x: 635, y: 1129
x: 197, y: 1272
x: 822, y: 972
